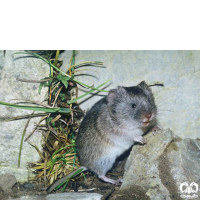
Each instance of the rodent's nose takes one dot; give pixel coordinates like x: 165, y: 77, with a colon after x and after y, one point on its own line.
x: 148, y: 116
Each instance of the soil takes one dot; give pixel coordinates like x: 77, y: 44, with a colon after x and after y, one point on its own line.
x: 91, y: 185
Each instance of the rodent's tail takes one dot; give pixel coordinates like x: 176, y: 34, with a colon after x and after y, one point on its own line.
x: 69, y: 176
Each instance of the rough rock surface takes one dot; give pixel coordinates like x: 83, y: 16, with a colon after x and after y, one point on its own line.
x: 74, y: 196
x: 162, y: 165
x: 63, y: 196
x: 7, y: 181
x: 14, y: 66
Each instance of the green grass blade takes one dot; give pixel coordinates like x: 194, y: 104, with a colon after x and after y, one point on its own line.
x: 37, y: 108
x: 21, y: 143
x: 73, y: 175
x: 89, y: 63
x: 56, y: 58
x: 64, y: 110
x: 73, y: 62
x: 59, y: 150
x: 74, y: 100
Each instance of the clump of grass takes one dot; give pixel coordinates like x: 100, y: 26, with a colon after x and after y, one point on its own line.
x: 62, y: 117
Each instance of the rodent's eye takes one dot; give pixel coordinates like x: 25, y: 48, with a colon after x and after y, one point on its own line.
x: 133, y: 105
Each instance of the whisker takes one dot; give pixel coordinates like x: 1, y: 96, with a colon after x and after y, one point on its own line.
x: 165, y: 110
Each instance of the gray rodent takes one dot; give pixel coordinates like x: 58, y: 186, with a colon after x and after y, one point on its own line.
x: 112, y: 126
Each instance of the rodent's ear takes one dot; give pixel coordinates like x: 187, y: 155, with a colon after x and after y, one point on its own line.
x: 145, y: 87
x: 142, y: 84
x: 114, y: 93
x: 111, y: 96
x: 121, y: 90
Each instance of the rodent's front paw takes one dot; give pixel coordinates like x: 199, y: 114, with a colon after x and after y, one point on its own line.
x: 155, y: 129
x: 139, y: 139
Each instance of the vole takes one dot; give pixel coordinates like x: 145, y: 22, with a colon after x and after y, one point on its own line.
x: 112, y: 126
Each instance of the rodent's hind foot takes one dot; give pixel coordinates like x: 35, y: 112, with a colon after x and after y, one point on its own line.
x: 121, y: 180
x: 108, y: 180
x: 139, y: 139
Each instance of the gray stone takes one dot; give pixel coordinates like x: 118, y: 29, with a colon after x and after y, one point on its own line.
x: 162, y: 165
x: 63, y: 196
x: 14, y: 66
x: 29, y: 198
x: 74, y: 196
x: 7, y: 181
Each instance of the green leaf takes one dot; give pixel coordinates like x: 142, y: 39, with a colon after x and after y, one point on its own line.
x: 62, y: 96
x: 40, y: 87
x: 44, y: 84
x: 63, y: 79
x: 64, y: 110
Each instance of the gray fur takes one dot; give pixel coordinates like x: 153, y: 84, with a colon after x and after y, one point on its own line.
x: 111, y: 125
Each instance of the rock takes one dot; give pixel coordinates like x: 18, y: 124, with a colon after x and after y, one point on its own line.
x: 13, y: 66
x: 63, y: 196
x: 162, y: 165
x: 74, y: 196
x: 6, y: 182
x: 29, y: 185
x: 28, y: 198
